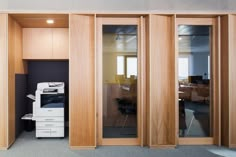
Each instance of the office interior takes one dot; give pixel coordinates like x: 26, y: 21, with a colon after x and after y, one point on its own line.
x: 156, y: 80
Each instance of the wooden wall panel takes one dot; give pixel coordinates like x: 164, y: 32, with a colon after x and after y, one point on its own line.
x: 37, y: 43
x: 225, y: 80
x: 228, y: 80
x: 215, y: 83
x: 60, y: 43
x: 16, y: 65
x: 11, y: 81
x: 3, y: 81
x: 147, y: 80
x: 162, y: 81
x: 232, y: 81
x: 82, y: 82
x: 20, y: 65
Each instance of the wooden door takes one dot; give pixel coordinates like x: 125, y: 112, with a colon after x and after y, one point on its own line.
x: 210, y: 80
x: 109, y: 80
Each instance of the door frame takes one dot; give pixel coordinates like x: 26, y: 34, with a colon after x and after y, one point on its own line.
x: 214, y: 83
x: 141, y: 95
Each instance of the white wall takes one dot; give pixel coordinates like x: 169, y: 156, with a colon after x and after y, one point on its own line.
x: 117, y: 5
x: 199, y: 64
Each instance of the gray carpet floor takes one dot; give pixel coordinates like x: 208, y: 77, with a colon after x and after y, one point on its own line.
x: 197, y: 119
x: 27, y: 146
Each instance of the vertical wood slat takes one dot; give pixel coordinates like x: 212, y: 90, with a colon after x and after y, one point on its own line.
x: 232, y: 81
x: 11, y: 80
x: 228, y: 80
x: 162, y: 81
x: 82, y: 86
x: 3, y: 81
x: 216, y: 97
x: 225, y: 80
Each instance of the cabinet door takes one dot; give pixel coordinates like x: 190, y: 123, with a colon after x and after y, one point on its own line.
x: 37, y: 43
x: 60, y: 43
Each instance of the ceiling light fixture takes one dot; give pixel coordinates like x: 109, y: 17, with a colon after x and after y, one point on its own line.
x: 50, y: 21
x: 180, y: 38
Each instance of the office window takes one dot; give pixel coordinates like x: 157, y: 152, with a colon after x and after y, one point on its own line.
x: 120, y: 65
x: 127, y: 65
x: 183, y: 67
x: 131, y: 66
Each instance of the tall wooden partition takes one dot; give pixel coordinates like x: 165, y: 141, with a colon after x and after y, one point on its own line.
x: 3, y: 82
x: 16, y: 65
x: 228, y: 80
x: 161, y: 83
x: 82, y: 82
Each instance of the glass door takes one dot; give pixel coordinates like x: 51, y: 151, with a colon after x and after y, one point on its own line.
x: 194, y: 79
x: 119, y: 76
x: 198, y: 82
x: 119, y: 81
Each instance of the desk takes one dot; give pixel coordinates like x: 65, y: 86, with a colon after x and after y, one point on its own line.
x: 194, y: 92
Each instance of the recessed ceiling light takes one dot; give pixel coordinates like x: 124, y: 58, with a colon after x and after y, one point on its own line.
x: 180, y: 38
x: 50, y: 21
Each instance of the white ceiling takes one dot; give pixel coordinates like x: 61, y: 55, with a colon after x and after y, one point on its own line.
x: 119, y: 43
x: 118, y: 5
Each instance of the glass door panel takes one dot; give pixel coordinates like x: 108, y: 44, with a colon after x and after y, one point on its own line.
x: 119, y: 58
x: 194, y: 76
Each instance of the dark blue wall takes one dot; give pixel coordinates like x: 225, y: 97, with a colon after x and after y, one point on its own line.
x: 38, y: 71
x: 20, y: 101
x: 48, y: 71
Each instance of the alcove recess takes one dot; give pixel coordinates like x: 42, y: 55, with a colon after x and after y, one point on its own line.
x: 32, y: 42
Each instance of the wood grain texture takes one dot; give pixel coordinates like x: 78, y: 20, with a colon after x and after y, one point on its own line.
x: 161, y: 83
x: 37, y: 43
x: 148, y: 140
x: 15, y: 45
x: 39, y: 20
x: 232, y: 81
x: 20, y: 65
x: 196, y: 21
x: 3, y: 82
x: 196, y: 141
x: 60, y: 43
x: 215, y: 123
x: 11, y: 81
x: 120, y: 142
x: 45, y: 43
x: 225, y: 80
x: 82, y: 83
x: 143, y: 73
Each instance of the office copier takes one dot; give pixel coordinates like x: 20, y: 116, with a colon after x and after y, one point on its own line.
x: 48, y: 109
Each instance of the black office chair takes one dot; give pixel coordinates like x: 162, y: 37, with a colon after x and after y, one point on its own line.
x: 182, y: 117
x: 126, y: 107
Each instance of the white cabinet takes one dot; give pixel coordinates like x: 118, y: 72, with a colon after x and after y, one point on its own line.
x: 50, y: 127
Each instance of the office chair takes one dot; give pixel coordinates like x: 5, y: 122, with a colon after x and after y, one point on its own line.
x: 182, y: 116
x: 127, y: 104
x: 126, y: 107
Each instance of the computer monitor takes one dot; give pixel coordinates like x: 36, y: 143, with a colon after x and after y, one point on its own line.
x: 195, y: 79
